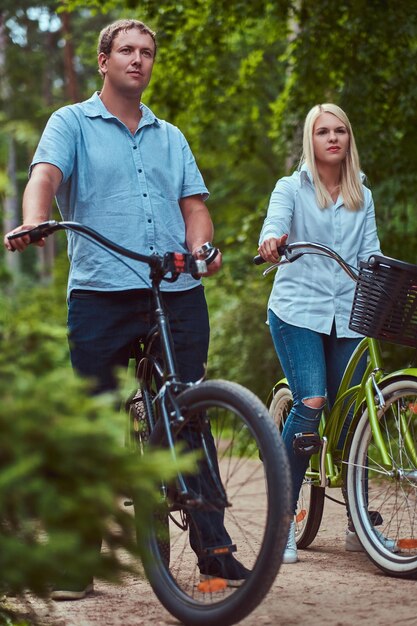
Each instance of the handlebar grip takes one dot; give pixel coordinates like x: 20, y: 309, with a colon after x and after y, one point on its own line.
x: 37, y: 233
x: 258, y: 259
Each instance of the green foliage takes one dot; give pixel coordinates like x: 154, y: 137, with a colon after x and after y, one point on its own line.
x: 64, y: 469
x: 241, y: 347
x: 238, y: 78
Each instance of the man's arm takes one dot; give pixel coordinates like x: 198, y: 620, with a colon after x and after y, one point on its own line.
x: 37, y: 203
x: 198, y: 227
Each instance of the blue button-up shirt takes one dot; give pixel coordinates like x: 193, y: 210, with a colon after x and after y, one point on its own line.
x: 314, y: 291
x: 127, y: 187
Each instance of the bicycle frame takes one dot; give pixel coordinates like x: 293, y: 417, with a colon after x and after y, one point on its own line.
x: 168, y: 377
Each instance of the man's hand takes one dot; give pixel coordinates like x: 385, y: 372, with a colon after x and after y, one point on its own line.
x: 214, y: 265
x: 21, y: 243
x: 269, y: 248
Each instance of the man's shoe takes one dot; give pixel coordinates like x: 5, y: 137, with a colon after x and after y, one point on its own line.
x: 71, y: 590
x: 290, y: 552
x: 352, y: 543
x: 225, y: 567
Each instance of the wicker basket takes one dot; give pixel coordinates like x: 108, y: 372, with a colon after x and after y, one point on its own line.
x: 385, y: 302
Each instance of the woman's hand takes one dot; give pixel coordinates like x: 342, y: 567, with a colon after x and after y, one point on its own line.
x: 269, y: 248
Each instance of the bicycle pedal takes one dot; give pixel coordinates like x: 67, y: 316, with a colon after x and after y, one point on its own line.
x: 375, y: 517
x: 220, y: 550
x: 307, y: 444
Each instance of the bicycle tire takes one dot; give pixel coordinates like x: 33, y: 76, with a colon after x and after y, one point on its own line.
x: 392, y: 492
x: 310, y: 504
x: 139, y: 431
x: 258, y: 520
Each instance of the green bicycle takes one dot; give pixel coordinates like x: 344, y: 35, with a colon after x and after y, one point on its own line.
x: 377, y: 466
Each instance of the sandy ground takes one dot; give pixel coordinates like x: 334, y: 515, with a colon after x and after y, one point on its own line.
x: 328, y: 586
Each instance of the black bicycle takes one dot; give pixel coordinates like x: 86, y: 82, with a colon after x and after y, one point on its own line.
x: 241, y: 484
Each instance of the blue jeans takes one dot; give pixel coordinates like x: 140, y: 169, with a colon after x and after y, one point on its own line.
x: 313, y: 363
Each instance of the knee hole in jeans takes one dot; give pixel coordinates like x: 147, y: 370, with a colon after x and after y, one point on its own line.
x: 315, y: 403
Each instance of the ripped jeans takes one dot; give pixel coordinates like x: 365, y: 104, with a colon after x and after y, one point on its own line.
x: 313, y: 363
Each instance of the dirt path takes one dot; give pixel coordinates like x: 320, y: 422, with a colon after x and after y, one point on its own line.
x: 328, y: 586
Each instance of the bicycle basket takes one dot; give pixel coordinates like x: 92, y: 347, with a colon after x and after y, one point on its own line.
x: 385, y: 302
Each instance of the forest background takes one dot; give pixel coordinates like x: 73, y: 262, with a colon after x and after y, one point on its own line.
x: 238, y: 78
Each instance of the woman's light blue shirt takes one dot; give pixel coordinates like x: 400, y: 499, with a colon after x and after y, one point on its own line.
x: 314, y: 290
x: 127, y: 187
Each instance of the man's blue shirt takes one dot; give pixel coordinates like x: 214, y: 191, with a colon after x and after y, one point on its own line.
x: 314, y: 291
x: 127, y: 187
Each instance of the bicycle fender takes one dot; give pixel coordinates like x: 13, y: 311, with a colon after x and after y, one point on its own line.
x: 409, y: 372
x: 280, y: 383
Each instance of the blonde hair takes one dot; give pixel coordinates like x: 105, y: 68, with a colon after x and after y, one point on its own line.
x: 350, y: 184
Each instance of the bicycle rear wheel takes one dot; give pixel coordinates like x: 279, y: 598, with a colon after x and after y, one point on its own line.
x: 310, y: 503
x: 256, y: 516
x: 383, y: 500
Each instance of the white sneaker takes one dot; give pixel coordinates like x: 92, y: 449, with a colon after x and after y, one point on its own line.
x: 290, y: 552
x: 352, y: 543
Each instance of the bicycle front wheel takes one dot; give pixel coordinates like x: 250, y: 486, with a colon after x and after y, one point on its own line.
x: 310, y: 503
x: 241, y: 488
x: 383, y: 499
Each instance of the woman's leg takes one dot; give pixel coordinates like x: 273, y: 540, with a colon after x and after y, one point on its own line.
x: 301, y: 354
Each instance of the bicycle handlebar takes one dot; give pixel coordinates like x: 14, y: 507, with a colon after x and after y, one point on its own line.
x: 175, y: 262
x: 317, y: 248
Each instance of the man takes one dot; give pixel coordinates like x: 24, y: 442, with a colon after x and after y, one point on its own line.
x: 114, y: 166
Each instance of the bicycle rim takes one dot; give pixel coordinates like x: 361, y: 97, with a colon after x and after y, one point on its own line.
x: 310, y: 503
x: 256, y: 518
x: 383, y: 500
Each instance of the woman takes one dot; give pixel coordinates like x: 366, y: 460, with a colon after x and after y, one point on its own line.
x: 324, y: 201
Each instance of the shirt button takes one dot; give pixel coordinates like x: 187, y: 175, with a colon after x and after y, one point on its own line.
x: 135, y: 147
x: 150, y: 247
x: 149, y: 221
x: 140, y: 171
x: 145, y: 195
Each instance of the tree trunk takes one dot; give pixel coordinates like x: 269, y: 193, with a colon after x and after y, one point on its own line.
x: 11, y: 214
x: 11, y: 217
x: 71, y: 83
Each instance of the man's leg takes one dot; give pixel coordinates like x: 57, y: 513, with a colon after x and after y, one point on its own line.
x: 103, y: 327
x: 189, y: 324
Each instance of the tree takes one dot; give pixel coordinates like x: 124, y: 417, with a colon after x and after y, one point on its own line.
x: 238, y: 78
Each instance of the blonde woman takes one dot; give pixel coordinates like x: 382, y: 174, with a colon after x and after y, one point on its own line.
x: 324, y: 201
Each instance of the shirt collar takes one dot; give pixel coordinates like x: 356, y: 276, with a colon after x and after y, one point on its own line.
x: 305, y: 175
x: 94, y: 107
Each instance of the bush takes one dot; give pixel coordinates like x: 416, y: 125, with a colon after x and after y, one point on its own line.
x: 64, y: 469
